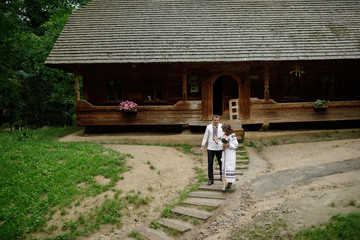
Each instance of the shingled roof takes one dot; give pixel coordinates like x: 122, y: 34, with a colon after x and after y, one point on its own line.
x: 144, y: 31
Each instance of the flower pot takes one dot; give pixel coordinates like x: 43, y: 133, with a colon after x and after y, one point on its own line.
x: 323, y: 105
x: 134, y: 110
x: 320, y: 108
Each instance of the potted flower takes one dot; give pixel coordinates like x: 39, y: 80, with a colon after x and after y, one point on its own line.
x: 128, y: 106
x: 321, y: 104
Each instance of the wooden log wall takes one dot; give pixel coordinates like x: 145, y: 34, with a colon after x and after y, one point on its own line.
x: 261, y: 80
x: 178, y: 114
x: 262, y: 111
x: 267, y: 80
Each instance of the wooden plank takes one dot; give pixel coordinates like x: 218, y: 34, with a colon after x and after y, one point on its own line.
x: 153, y: 234
x: 217, y: 175
x: 217, y: 186
x: 244, y: 99
x: 242, y: 161
x: 192, y: 212
x: 242, y: 167
x: 237, y: 167
x: 240, y: 151
x: 203, y: 202
x: 208, y: 195
x: 178, y: 225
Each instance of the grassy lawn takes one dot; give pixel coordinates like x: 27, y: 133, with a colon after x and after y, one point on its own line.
x: 40, y: 175
x: 339, y: 227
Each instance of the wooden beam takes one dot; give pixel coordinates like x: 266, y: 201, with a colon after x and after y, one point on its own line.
x: 206, y: 98
x: 244, y: 98
x: 77, y: 92
x: 266, y: 84
x: 184, y: 91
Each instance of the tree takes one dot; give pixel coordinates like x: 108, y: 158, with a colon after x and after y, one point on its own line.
x: 34, y: 93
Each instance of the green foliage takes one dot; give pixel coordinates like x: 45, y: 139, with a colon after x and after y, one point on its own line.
x: 135, y: 235
x: 137, y: 200
x: 252, y: 144
x: 274, y: 142
x: 339, y: 227
x: 187, y: 148
x: 29, y: 90
x: 154, y: 225
x: 39, y: 174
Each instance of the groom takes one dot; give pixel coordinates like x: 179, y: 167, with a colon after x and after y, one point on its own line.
x: 212, y: 133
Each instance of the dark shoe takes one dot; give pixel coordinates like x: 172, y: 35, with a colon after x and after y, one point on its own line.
x: 228, y: 185
x: 223, y: 190
x: 211, y: 182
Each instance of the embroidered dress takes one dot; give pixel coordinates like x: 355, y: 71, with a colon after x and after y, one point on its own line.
x: 229, y: 159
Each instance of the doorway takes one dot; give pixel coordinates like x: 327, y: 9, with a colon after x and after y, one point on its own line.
x: 224, y: 89
x: 218, y: 97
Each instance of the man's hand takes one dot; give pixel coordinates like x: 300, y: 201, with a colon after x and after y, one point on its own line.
x: 201, y: 149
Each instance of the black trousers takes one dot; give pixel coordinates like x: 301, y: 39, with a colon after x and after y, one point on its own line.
x: 211, y: 155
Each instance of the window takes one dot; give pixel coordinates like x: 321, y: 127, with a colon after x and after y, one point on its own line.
x: 115, y: 90
x: 154, y: 90
x: 329, y: 86
x: 292, y: 87
x: 193, y: 85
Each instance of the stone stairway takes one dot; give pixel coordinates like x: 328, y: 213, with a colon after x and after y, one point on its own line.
x: 193, y: 206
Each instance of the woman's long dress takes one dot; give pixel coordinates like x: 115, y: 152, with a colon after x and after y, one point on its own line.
x: 229, y: 159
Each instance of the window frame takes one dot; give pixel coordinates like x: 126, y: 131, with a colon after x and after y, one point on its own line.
x: 118, y: 85
x: 296, y: 81
x: 154, y: 84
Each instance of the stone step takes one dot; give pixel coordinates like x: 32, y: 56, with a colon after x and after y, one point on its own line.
x: 208, y: 195
x: 178, y: 225
x: 153, y: 234
x: 192, y: 212
x: 217, y: 186
x: 203, y: 202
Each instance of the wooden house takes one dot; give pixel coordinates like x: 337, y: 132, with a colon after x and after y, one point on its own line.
x: 181, y: 61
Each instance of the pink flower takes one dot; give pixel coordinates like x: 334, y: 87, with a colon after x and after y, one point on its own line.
x: 127, y: 105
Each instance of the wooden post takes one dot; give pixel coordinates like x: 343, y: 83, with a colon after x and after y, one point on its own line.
x: 77, y: 92
x: 184, y: 91
x: 266, y: 84
x: 244, y: 97
x: 206, y: 100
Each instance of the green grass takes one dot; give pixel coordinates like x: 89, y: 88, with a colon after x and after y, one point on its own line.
x: 339, y: 227
x: 40, y: 175
x: 135, y: 235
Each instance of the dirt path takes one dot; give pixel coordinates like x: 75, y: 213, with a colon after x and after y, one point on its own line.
x: 297, y: 184
x: 291, y: 187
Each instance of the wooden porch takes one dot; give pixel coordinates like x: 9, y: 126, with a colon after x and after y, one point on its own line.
x: 189, y: 113
x: 268, y: 111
